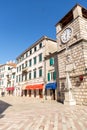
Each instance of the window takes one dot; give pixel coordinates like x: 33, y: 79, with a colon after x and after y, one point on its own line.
x: 35, y: 48
x: 40, y: 57
x: 40, y: 45
x: 54, y: 75
x: 29, y: 75
x: 2, y: 76
x: 2, y: 82
x: 22, y: 66
x: 26, y: 54
x: 48, y: 76
x: 22, y: 58
x: 13, y: 76
x: 30, y: 62
x: 19, y: 78
x: 40, y: 72
x: 34, y: 73
x: 51, y: 61
x: 17, y: 69
x: 51, y: 76
x: 26, y: 64
x: 25, y: 76
x: 8, y: 68
x: 30, y: 52
x: 22, y: 77
x: 16, y: 79
x: 34, y: 60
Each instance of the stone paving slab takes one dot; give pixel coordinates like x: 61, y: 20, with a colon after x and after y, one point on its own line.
x: 26, y: 113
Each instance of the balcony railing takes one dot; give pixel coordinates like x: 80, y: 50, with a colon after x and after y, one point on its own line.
x: 25, y: 69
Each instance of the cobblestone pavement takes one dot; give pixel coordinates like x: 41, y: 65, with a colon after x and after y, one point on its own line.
x: 23, y: 113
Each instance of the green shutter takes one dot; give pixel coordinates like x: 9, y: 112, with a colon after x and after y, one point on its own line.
x: 34, y: 60
x: 51, y: 61
x: 30, y: 75
x: 40, y: 72
x: 30, y: 62
x: 34, y: 74
x: 54, y: 75
x: 40, y: 57
x: 48, y: 76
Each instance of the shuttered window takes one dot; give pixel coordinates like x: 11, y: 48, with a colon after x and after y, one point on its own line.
x: 51, y: 61
x: 40, y: 57
x: 54, y: 75
x: 30, y: 62
x: 48, y: 76
x: 40, y: 72
x: 34, y: 73
x: 34, y: 60
x: 29, y: 75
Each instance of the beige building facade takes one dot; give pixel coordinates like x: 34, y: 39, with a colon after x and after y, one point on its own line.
x: 71, y: 34
x: 51, y: 76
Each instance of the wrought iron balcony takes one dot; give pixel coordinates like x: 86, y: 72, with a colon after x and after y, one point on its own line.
x: 25, y: 69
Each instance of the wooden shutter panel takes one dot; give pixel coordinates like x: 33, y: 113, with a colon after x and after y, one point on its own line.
x: 51, y: 61
x: 54, y: 75
x: 48, y: 76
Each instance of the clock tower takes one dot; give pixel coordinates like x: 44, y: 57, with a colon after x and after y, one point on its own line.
x: 71, y: 35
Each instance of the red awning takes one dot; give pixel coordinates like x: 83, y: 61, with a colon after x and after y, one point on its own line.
x: 10, y: 88
x: 36, y: 86
x: 29, y: 87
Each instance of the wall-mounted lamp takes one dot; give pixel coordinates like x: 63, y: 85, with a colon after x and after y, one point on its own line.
x: 81, y: 77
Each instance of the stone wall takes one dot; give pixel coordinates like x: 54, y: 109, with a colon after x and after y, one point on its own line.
x: 79, y: 58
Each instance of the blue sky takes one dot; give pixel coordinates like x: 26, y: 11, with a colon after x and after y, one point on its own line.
x: 22, y: 22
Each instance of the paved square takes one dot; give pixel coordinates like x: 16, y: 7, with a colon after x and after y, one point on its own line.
x: 24, y: 113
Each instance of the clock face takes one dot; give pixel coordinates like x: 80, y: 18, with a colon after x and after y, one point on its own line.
x: 66, y: 35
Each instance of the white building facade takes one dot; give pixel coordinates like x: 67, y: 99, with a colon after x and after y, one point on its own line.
x: 7, y: 78
x: 30, y: 72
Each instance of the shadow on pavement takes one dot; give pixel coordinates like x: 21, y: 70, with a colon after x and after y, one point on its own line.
x: 3, y: 107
